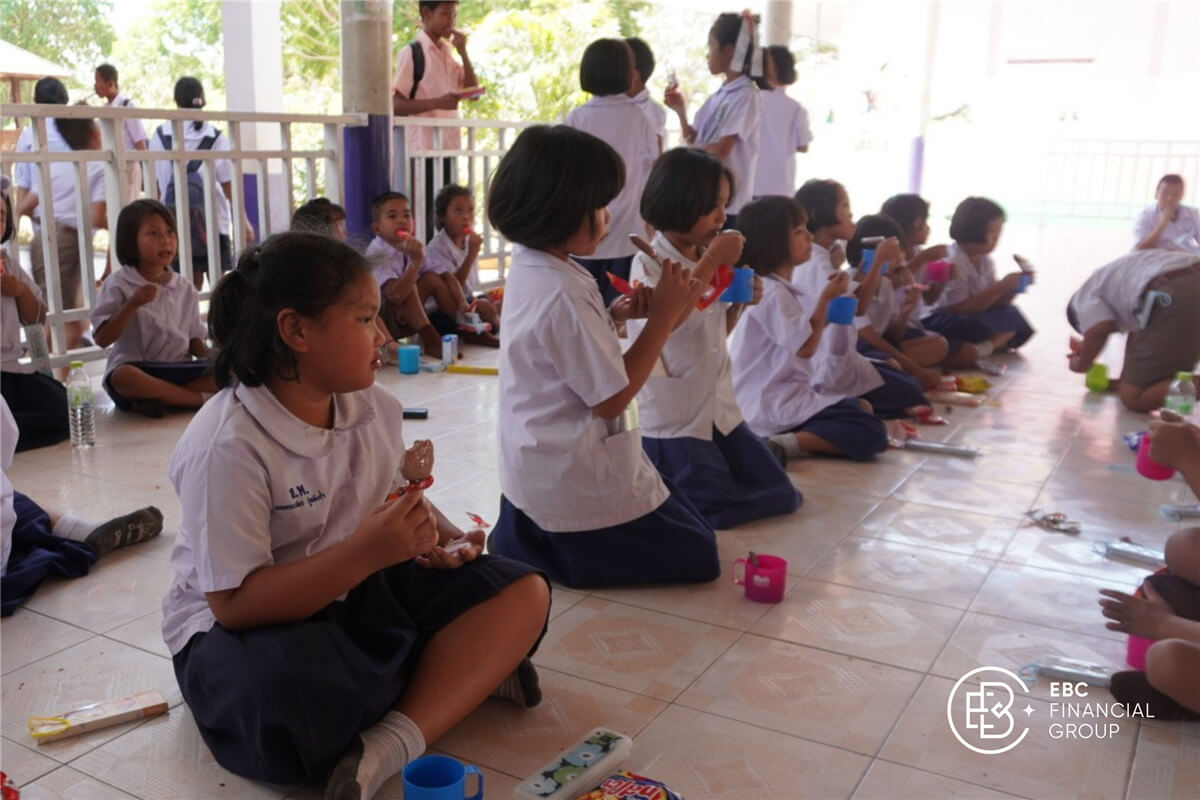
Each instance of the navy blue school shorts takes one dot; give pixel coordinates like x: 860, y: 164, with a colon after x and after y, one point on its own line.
x: 857, y: 434
x: 177, y: 373
x: 281, y: 703
x: 730, y: 480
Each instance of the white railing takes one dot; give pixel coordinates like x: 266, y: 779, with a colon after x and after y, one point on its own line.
x: 482, y: 144
x: 322, y: 169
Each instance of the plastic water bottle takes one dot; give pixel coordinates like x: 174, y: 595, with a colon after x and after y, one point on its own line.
x: 1181, y: 397
x: 81, y: 413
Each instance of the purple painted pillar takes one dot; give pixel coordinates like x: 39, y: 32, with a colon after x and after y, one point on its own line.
x: 367, y: 168
x: 250, y: 195
x: 916, y: 164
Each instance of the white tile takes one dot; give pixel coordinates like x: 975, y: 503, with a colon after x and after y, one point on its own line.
x: 27, y: 636
x: 66, y: 783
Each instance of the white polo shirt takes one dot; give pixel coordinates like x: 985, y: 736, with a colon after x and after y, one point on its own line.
x: 734, y: 110
x: 442, y: 255
x: 10, y: 330
x: 62, y: 179
x: 691, y: 388
x: 966, y: 281
x: 619, y: 121
x: 222, y: 167
x: 8, y: 515
x: 1185, y: 227
x: 386, y: 261
x: 22, y: 173
x: 1114, y: 292
x: 562, y: 465
x: 442, y: 75
x: 161, y: 330
x: 776, y: 388
x: 784, y: 130
x: 259, y: 487
x: 134, y: 131
x: 654, y: 112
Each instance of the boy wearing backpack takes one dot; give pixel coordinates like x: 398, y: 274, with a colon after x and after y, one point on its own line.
x: 429, y: 83
x: 198, y: 135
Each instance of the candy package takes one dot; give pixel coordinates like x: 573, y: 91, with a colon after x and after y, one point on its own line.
x: 624, y: 785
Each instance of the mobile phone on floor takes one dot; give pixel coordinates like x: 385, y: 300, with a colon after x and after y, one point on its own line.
x: 416, y: 413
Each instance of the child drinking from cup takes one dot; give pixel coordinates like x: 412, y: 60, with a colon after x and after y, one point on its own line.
x: 692, y: 428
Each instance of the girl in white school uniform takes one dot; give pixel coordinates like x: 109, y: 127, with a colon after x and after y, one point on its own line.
x: 785, y: 130
x: 581, y: 499
x: 692, y: 428
x: 606, y: 72
x: 151, y: 317
x: 889, y: 390
x: 789, y: 378
x: 729, y: 123
x: 452, y: 258
x: 313, y: 622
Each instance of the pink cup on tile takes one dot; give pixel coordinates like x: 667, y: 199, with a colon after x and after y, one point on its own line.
x: 1147, y: 467
x: 1135, y: 651
x: 764, y: 583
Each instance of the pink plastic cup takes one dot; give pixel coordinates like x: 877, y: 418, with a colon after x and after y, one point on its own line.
x: 1149, y: 468
x: 765, y: 583
x: 1135, y: 651
x: 937, y: 271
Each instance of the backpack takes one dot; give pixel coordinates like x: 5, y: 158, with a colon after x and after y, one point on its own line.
x: 418, y: 57
x: 197, y: 221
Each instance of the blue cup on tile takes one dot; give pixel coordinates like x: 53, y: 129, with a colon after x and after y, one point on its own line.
x: 841, y: 310
x: 409, y: 356
x: 440, y: 778
x: 742, y: 288
x: 868, y: 261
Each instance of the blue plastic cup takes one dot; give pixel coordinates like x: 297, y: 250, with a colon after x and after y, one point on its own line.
x: 841, y: 310
x: 742, y: 288
x: 1026, y: 279
x: 439, y: 778
x: 410, y: 358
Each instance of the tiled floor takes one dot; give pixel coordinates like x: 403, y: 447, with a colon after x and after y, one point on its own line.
x: 904, y: 575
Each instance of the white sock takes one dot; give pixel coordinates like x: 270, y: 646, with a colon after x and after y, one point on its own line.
x: 73, y: 528
x: 985, y: 349
x: 789, y: 443
x: 380, y: 752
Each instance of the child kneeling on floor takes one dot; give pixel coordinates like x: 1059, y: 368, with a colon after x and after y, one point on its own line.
x: 314, y: 624
x: 151, y: 316
x: 1169, y: 612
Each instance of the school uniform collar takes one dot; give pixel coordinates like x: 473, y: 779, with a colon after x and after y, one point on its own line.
x: 441, y: 45
x: 531, y: 257
x: 773, y: 279
x: 642, y: 96
x: 610, y: 100
x: 445, y: 234
x: 133, y: 279
x: 736, y: 85
x: 664, y: 248
x: 350, y: 411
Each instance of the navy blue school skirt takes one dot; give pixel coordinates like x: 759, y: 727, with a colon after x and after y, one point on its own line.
x: 38, y: 554
x: 857, y: 434
x: 899, y: 391
x: 731, y: 480
x: 978, y: 327
x: 178, y: 373
x: 39, y: 405
x: 672, y: 544
x: 600, y: 267
x: 281, y: 703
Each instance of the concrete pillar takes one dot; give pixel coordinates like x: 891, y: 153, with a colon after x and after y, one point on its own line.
x: 917, y: 157
x: 366, y: 88
x: 250, y: 31
x: 777, y: 25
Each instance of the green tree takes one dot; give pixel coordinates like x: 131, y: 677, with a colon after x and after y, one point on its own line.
x: 74, y: 33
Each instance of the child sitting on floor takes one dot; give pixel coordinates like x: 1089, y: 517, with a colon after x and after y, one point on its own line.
x: 395, y: 256
x: 314, y: 623
x: 450, y: 274
x: 151, y: 316
x: 321, y: 215
x: 787, y: 378
x: 692, y: 428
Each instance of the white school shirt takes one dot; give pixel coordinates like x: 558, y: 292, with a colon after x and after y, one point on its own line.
x: 859, y: 374
x: 690, y: 390
x: 734, y: 110
x: 134, y: 131
x: 784, y: 130
x: 565, y: 467
x: 161, y: 330
x: 442, y: 255
x: 259, y: 487
x: 884, y: 307
x: 222, y: 168
x: 8, y: 515
x: 776, y: 388
x: 10, y: 330
x: 967, y: 280
x: 654, y: 112
x: 22, y: 173
x: 386, y: 261
x: 1185, y: 226
x: 62, y: 180
x: 617, y: 120
x: 1114, y: 292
